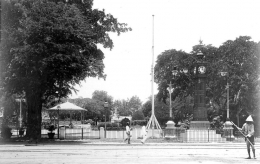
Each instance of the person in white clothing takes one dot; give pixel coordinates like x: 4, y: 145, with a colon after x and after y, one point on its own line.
x: 128, y: 132
x: 144, y: 133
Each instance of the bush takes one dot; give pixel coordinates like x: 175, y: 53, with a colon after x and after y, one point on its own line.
x: 138, y: 115
x: 6, y: 132
x: 89, y: 121
x: 138, y: 122
x: 115, y: 125
x: 102, y: 124
x: 124, y: 121
x: 115, y: 128
x: 110, y: 126
x: 50, y: 127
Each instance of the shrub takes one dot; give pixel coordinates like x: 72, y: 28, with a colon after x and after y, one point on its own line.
x: 124, y: 121
x: 89, y: 121
x: 138, y: 115
x: 115, y: 125
x: 138, y: 122
x: 102, y: 124
x: 6, y: 132
x: 50, y: 127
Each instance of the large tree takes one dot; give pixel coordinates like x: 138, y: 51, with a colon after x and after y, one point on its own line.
x: 161, y: 110
x: 49, y: 46
x: 240, y: 58
x: 129, y: 106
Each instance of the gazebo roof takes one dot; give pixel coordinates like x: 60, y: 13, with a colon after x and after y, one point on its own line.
x: 67, y: 106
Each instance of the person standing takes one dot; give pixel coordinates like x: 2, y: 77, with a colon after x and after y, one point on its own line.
x: 128, y: 132
x: 144, y: 133
x: 248, y: 130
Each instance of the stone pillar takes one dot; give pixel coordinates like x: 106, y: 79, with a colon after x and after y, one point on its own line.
x: 62, y: 133
x: 170, y: 130
x: 101, y: 133
x: 228, y: 131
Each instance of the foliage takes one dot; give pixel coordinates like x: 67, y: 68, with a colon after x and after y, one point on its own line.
x: 161, y: 110
x: 11, y: 109
x: 138, y: 115
x: 99, y: 98
x: 127, y: 107
x: 134, y: 103
x: 109, y: 125
x: 125, y: 121
x: 49, y: 126
x: 89, y: 121
x: 102, y: 96
x: 6, y: 132
x: 49, y: 46
x: 139, y: 122
x: 216, y: 123
x: 239, y: 58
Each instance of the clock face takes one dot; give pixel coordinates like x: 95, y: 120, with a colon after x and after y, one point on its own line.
x: 202, y: 69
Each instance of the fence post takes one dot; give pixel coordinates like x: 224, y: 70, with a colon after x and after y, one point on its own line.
x: 208, y: 134
x: 82, y: 133
x: 230, y: 134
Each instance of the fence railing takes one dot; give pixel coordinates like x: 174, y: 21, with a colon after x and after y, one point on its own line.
x: 181, y: 135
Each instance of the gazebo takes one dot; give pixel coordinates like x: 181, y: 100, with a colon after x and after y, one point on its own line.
x: 67, y: 106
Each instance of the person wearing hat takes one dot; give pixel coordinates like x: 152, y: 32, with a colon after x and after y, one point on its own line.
x: 248, y: 130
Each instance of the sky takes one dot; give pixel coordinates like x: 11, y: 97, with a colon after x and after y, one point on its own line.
x: 177, y: 24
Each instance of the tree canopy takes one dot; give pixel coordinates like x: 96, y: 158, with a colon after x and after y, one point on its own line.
x: 239, y: 58
x: 49, y: 46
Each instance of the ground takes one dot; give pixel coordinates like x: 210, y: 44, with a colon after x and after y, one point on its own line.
x: 116, y: 151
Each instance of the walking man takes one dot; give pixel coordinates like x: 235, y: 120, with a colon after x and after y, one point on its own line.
x: 144, y: 133
x: 127, y: 129
x: 248, y: 130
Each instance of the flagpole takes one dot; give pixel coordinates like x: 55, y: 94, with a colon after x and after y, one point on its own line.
x: 153, y: 121
x: 153, y: 78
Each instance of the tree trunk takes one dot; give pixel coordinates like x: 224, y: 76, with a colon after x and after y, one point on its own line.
x: 34, y: 118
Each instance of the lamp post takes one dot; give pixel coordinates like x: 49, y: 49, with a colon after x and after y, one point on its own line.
x: 227, y: 87
x: 58, y: 107
x: 170, y: 89
x: 20, y: 115
x: 171, y: 129
x: 105, y: 107
x: 228, y: 129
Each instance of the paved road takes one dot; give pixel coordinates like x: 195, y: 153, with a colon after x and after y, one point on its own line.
x: 118, y: 153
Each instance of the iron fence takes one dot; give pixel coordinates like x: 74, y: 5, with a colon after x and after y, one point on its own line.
x: 178, y: 135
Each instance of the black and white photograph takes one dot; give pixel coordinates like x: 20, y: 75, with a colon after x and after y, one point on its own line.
x: 129, y: 81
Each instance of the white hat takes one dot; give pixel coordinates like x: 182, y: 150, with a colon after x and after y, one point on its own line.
x: 249, y: 118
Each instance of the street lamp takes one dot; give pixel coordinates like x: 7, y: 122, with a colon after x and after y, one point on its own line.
x: 170, y: 89
x: 20, y: 117
x: 228, y: 129
x: 105, y: 107
x: 58, y: 107
x: 170, y: 130
x: 225, y: 73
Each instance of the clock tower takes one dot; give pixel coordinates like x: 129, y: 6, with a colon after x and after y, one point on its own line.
x: 199, y: 110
